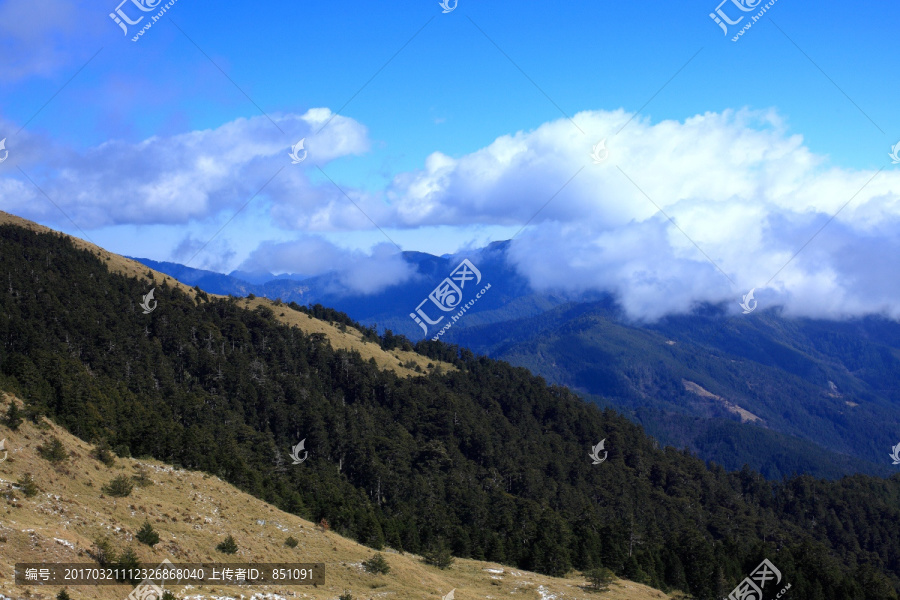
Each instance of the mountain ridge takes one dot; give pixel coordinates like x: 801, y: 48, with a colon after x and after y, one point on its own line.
x: 340, y: 337
x: 486, y: 460
x: 614, y: 363
x: 837, y: 380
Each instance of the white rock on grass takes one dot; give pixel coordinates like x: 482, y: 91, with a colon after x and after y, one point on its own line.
x: 545, y: 593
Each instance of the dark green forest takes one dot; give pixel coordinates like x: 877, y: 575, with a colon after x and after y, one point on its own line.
x: 828, y: 392
x: 488, y: 460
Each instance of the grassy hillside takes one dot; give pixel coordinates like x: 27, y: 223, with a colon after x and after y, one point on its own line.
x: 782, y: 395
x: 485, y: 460
x: 342, y: 338
x: 194, y: 511
x: 402, y: 362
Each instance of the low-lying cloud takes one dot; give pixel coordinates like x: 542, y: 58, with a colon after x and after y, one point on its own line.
x: 745, y: 196
x: 355, y: 271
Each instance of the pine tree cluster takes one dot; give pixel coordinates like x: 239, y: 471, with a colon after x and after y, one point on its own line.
x: 484, y: 462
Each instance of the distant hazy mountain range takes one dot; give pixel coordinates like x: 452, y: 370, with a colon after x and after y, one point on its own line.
x: 780, y: 395
x: 434, y: 452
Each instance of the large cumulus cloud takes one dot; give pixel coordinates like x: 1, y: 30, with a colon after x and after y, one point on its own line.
x: 681, y: 213
x: 744, y: 195
x: 180, y: 178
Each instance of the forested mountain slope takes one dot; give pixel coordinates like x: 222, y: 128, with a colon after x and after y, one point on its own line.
x: 783, y: 395
x: 487, y: 459
x: 340, y: 331
x: 192, y: 513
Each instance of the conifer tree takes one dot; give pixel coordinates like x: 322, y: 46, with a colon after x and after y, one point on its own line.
x: 104, y: 454
x: 128, y: 562
x: 600, y: 578
x: 104, y: 553
x: 438, y: 555
x: 13, y: 416
x: 227, y: 546
x: 147, y: 535
x: 120, y: 487
x: 377, y: 564
x: 53, y: 451
x: 27, y: 485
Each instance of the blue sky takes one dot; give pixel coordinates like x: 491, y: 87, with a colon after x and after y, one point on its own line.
x: 816, y: 81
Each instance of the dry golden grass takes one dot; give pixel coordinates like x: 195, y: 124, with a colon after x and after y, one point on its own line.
x: 695, y: 388
x: 116, y: 263
x: 350, y: 339
x: 193, y: 512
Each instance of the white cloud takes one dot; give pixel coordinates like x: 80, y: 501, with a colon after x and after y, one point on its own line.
x: 355, y: 271
x: 742, y: 188
x: 181, y: 178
